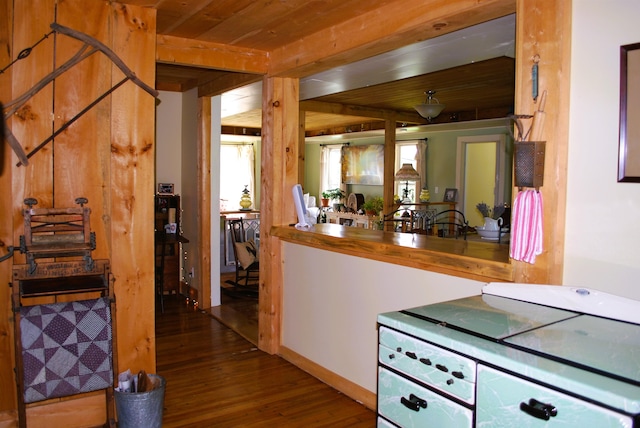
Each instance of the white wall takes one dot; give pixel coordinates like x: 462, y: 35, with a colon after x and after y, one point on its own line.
x: 331, y: 303
x: 603, y: 216
x: 169, y: 139
x: 189, y: 179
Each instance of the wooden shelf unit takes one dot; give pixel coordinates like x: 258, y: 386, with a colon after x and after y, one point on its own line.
x: 167, y: 211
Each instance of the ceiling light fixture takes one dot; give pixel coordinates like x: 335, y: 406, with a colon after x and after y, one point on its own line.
x: 431, y: 108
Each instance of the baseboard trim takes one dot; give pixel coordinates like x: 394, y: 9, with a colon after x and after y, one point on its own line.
x: 350, y: 389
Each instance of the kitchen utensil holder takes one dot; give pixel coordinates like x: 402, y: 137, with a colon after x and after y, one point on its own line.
x: 529, y: 163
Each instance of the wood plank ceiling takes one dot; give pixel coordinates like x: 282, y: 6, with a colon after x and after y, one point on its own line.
x: 477, y: 90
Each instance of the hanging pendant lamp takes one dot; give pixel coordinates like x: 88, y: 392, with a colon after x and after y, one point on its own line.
x: 431, y: 108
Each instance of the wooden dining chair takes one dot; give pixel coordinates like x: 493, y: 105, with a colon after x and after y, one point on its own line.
x: 247, y: 262
x: 450, y: 223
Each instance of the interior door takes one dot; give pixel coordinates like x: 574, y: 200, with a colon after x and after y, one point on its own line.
x: 480, y: 172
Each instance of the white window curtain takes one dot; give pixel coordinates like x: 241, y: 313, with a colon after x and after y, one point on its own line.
x: 330, y: 168
x: 421, y: 163
x: 237, y: 170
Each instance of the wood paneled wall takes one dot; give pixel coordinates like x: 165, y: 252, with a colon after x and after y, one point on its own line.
x: 7, y: 383
x: 106, y: 156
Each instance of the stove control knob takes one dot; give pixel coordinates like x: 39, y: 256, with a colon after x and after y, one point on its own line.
x: 425, y: 361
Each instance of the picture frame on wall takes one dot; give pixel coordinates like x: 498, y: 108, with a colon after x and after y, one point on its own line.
x: 363, y: 164
x: 629, y: 135
x: 450, y: 195
x: 165, y: 188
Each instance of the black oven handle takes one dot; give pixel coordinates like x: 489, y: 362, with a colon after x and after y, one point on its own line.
x: 414, y: 403
x: 538, y: 409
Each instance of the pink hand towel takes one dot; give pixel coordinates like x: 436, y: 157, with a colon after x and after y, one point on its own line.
x: 526, y: 226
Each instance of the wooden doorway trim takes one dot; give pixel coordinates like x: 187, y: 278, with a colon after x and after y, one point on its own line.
x: 204, y: 200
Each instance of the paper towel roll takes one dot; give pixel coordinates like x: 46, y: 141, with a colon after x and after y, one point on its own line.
x: 298, y: 201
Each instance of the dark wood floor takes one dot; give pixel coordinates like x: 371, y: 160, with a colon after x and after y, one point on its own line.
x: 238, y: 311
x: 215, y: 377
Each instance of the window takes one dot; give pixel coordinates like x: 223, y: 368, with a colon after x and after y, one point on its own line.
x: 411, y: 152
x: 330, y: 168
x: 407, y: 153
x: 236, y: 171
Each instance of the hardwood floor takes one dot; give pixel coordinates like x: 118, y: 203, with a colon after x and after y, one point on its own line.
x: 215, y: 377
x: 237, y: 311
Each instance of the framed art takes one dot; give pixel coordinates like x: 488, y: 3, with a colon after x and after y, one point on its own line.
x: 450, y: 195
x: 629, y: 136
x: 363, y: 164
x: 165, y: 188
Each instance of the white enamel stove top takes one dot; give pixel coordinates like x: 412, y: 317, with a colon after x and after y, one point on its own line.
x: 586, y: 328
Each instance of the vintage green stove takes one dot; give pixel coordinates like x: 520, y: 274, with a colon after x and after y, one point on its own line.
x: 516, y: 356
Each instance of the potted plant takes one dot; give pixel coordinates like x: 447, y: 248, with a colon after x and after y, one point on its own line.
x: 336, y: 195
x: 373, y: 206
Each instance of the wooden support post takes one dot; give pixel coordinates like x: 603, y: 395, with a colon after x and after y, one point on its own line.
x: 203, y: 264
x: 131, y: 185
x: 544, y: 29
x: 280, y: 171
x: 389, y: 165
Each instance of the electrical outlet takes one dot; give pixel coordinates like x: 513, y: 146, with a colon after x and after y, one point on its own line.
x: 437, y: 190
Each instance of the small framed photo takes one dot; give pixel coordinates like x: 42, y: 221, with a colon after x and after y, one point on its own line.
x: 165, y: 188
x: 450, y: 195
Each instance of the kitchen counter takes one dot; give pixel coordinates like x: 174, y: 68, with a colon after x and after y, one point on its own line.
x: 479, y: 261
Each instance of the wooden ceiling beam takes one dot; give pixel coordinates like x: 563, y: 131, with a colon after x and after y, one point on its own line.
x: 226, y: 83
x: 194, y: 53
x: 171, y: 87
x: 355, y: 110
x: 393, y: 26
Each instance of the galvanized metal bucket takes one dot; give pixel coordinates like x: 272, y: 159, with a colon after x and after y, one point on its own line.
x: 141, y: 409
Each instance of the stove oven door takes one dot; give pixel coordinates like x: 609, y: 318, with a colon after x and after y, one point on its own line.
x: 408, y: 404
x: 507, y: 401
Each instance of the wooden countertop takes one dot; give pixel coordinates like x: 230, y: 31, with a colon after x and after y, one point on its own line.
x: 480, y: 261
